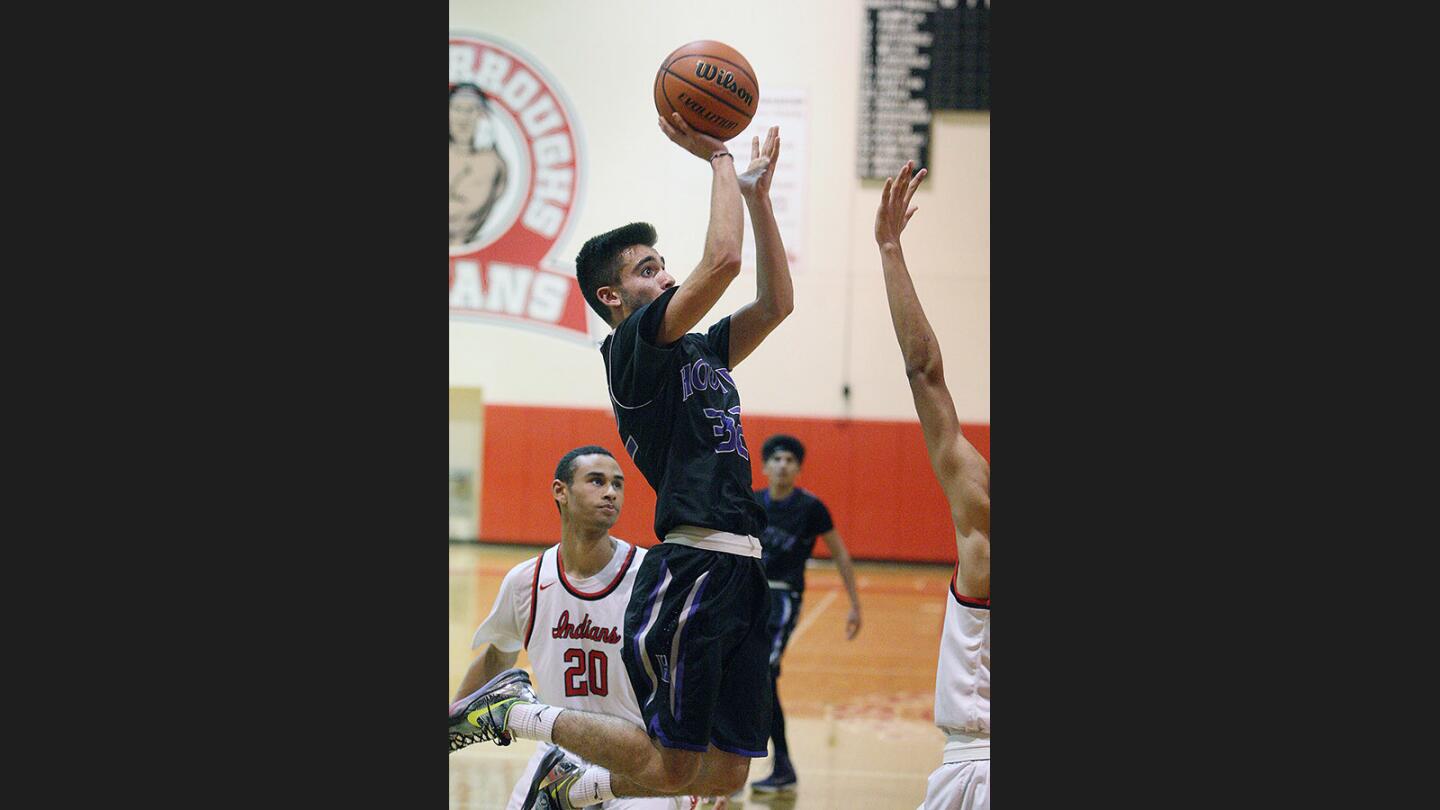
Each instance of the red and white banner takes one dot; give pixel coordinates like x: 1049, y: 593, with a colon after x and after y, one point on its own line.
x: 516, y: 175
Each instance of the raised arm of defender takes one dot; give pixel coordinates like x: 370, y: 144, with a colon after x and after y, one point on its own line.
x: 963, y: 473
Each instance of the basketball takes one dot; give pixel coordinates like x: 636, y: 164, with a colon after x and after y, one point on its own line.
x: 712, y: 87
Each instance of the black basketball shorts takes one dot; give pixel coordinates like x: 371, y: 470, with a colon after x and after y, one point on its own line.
x: 697, y: 652
x: 784, y: 613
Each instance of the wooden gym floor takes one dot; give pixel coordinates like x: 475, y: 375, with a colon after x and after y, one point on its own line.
x: 858, y: 714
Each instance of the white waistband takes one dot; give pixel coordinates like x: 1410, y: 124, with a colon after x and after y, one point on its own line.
x: 780, y: 586
x: 711, y: 540
x: 965, y: 747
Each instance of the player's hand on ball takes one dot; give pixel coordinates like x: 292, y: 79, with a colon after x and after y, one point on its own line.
x: 895, y: 208
x: 696, y: 143
x: 755, y: 181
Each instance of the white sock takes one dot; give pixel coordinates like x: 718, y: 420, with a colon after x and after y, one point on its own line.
x: 593, y: 787
x: 533, y: 721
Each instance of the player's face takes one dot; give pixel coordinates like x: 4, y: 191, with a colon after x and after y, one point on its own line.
x: 782, y: 467
x: 596, y: 492
x: 642, y: 277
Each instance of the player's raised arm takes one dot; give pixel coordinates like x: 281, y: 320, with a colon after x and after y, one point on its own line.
x: 720, y: 263
x: 774, y: 294
x: 963, y: 473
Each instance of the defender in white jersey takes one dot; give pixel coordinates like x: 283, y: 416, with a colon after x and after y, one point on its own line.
x: 566, y: 608
x: 962, y: 680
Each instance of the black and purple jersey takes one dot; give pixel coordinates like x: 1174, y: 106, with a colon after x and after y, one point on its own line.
x: 679, y: 417
x: 792, y: 524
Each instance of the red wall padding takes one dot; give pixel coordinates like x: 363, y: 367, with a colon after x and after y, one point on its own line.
x: 873, y: 475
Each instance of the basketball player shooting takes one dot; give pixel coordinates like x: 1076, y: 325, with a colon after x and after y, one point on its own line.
x: 962, y: 680
x: 695, y: 645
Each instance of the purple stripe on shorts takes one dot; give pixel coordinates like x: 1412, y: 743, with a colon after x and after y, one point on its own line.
x: 659, y: 580
x: 680, y: 667
x: 776, y: 646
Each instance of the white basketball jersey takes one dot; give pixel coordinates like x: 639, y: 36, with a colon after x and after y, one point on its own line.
x: 575, y: 633
x: 962, y: 680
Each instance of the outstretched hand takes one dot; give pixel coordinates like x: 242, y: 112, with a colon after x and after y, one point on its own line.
x: 755, y: 182
x: 895, y: 208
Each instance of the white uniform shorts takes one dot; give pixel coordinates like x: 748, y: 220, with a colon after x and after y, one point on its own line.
x: 959, y: 786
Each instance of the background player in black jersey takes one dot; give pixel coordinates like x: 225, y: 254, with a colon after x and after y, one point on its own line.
x: 695, y: 645
x: 795, y: 517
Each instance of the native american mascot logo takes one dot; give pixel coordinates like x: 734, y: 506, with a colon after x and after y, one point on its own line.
x: 516, y: 175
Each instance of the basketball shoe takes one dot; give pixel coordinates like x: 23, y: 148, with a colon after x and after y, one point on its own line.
x: 481, y: 715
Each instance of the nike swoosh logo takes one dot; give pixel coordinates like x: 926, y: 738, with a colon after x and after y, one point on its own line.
x: 546, y: 585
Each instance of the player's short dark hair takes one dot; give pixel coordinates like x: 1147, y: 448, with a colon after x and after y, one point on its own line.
x: 565, y: 470
x: 598, y: 264
x: 779, y: 442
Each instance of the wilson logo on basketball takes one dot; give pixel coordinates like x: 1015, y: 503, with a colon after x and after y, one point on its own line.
x: 516, y: 173
x: 723, y: 78
x: 585, y: 630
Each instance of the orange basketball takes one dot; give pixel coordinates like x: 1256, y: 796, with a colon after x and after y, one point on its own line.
x: 712, y: 87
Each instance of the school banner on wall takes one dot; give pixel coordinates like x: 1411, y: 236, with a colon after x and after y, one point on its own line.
x: 517, y: 170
